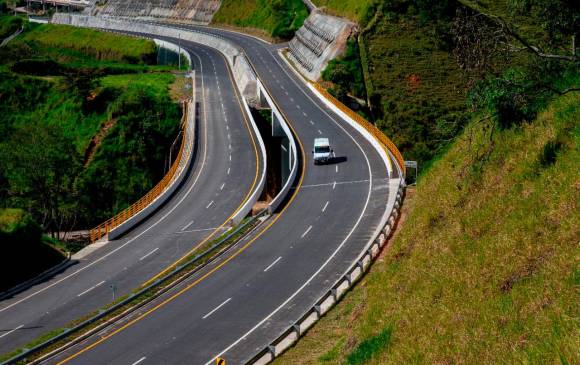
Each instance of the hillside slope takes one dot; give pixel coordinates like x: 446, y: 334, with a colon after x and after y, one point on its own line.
x: 484, y: 269
x: 277, y: 18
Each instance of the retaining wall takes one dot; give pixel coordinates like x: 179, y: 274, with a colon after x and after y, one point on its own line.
x: 319, y: 40
x: 244, y: 76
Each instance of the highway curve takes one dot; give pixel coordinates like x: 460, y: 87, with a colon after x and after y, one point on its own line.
x: 225, y: 171
x: 236, y: 306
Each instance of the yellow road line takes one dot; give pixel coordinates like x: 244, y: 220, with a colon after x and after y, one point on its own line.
x: 205, y: 240
x: 182, y: 291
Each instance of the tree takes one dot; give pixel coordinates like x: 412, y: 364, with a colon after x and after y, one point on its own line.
x: 41, y: 164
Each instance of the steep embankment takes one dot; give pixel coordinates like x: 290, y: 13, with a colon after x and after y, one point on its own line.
x: 59, y: 88
x: 277, y: 18
x: 403, y: 63
x: 484, y: 269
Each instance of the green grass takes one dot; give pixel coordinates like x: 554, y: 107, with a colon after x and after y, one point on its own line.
x: 134, y: 99
x: 101, y: 46
x: 9, y: 25
x: 156, y: 83
x: 485, y: 267
x: 353, y: 9
x: 279, y: 18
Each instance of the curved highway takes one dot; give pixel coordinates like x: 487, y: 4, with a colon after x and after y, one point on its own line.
x: 223, y: 175
x: 237, y: 305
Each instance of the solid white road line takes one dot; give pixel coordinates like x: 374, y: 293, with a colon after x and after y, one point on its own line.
x: 272, y: 264
x: 149, y: 254
x: 335, y: 183
x: 91, y: 288
x: 340, y: 246
x: 216, y: 308
x: 187, y: 226
x: 14, y: 330
x: 325, y: 206
x: 203, y: 164
x: 139, y: 361
x: 209, y: 205
x: 305, y: 233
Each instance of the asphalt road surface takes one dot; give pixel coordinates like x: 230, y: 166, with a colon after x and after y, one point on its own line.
x: 225, y: 171
x: 237, y: 305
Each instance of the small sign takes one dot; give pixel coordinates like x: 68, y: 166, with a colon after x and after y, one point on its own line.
x: 220, y: 361
x: 411, y: 164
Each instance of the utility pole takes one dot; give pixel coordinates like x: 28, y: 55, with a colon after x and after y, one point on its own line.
x: 179, y: 53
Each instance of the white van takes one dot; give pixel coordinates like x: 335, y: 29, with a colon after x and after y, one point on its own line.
x: 322, y: 152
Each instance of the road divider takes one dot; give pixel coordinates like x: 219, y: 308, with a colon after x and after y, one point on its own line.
x: 243, y: 73
x: 126, y: 306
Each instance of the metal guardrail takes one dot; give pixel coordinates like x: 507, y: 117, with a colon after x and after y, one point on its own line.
x: 329, y: 298
x: 371, y: 128
x: 24, y: 356
x: 104, y: 228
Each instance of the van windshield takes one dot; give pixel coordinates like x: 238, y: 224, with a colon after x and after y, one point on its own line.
x: 322, y: 149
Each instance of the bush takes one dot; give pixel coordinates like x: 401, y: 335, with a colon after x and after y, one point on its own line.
x: 23, y: 253
x: 37, y: 67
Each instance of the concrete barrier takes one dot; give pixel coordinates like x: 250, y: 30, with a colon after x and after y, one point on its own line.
x: 243, y: 73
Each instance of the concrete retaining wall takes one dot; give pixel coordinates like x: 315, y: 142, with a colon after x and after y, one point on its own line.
x: 173, y: 48
x: 319, y: 40
x: 359, y: 266
x: 244, y: 76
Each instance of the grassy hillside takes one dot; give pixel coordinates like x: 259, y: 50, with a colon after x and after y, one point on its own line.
x: 278, y: 18
x: 9, y: 25
x: 353, y: 9
x: 105, y: 120
x: 106, y: 47
x: 485, y: 268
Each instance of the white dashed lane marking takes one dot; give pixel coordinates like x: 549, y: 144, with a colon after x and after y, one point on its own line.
x: 187, y: 226
x: 306, y: 232
x: 216, y: 308
x: 14, y: 330
x: 149, y: 254
x: 272, y: 264
x: 91, y: 288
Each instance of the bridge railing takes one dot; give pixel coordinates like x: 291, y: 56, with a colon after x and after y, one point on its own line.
x: 368, y: 126
x: 104, y: 228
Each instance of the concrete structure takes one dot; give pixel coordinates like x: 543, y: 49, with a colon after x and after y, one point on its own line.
x: 182, y: 11
x: 319, y: 40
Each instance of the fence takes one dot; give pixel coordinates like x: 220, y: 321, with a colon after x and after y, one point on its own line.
x: 106, y: 227
x: 371, y: 128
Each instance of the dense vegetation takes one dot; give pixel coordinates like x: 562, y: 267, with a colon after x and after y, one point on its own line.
x: 484, y: 269
x: 25, y: 251
x: 9, y: 25
x: 279, y: 18
x: 85, y: 124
